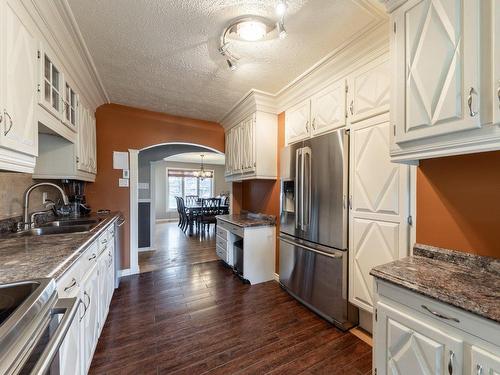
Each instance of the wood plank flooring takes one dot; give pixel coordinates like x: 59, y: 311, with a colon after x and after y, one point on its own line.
x: 192, y: 317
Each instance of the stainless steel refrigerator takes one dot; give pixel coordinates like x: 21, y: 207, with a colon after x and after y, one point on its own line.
x: 313, y: 226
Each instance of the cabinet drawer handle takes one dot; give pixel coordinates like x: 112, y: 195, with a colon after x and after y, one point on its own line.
x: 93, y: 257
x: 479, y: 369
x: 469, y: 102
x: 104, y: 240
x: 351, y: 107
x: 314, y: 124
x: 71, y: 286
x: 85, y: 307
x: 439, y: 315
x: 307, y: 126
x: 6, y: 131
x: 450, y: 363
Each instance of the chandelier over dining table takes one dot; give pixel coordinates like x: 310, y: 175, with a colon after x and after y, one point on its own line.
x: 202, y: 173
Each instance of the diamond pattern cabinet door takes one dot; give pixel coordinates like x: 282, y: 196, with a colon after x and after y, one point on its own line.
x: 496, y: 62
x: 369, y: 90
x: 328, y: 108
x: 249, y: 145
x: 19, y: 81
x: 297, y: 122
x: 83, y: 162
x: 378, y: 229
x: 484, y: 363
x: 228, y: 153
x: 437, y: 66
x: 407, y: 345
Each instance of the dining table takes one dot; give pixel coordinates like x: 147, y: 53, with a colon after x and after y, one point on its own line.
x: 194, y: 209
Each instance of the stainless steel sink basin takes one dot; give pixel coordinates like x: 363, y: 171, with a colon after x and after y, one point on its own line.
x: 43, y: 231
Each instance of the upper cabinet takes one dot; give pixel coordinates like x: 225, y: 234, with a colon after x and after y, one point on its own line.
x: 369, y: 90
x: 18, y: 80
x: 444, y: 78
x: 51, y: 83
x: 323, y: 112
x: 251, y: 148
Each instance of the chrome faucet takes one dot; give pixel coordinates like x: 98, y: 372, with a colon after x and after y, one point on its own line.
x: 26, y: 222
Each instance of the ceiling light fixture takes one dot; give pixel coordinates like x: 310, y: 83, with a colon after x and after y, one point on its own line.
x: 281, y: 8
x: 202, y: 173
x: 252, y: 29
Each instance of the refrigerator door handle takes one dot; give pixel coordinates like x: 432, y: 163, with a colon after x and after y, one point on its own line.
x: 302, y: 168
x: 298, y: 154
x: 307, y: 182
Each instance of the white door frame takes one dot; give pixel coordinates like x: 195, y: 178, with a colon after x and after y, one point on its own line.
x: 134, y: 201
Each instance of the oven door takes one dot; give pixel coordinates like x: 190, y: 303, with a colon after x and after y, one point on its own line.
x: 44, y: 356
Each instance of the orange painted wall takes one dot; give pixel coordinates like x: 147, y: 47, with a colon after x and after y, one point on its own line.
x: 120, y: 128
x: 458, y: 203
x: 263, y: 195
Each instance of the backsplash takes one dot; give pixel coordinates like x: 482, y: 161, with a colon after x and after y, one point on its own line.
x: 12, y: 187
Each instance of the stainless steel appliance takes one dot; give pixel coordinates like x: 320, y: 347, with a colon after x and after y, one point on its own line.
x: 33, y: 325
x: 313, y: 226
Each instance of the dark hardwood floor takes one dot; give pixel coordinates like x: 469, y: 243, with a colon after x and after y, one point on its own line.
x: 192, y: 317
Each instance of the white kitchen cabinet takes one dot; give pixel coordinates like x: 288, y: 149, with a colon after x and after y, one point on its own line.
x: 369, y: 90
x: 407, y: 345
x: 297, y: 122
x: 51, y: 83
x: 378, y: 220
x: 251, y: 148
x: 18, y: 78
x: 484, y: 363
x: 86, y: 157
x: 437, y: 63
x: 328, y: 108
x: 90, y: 323
x: 69, y: 352
x: 102, y: 267
x: 70, y: 107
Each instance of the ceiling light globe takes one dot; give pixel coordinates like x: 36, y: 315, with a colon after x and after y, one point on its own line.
x: 281, y: 8
x: 251, y: 31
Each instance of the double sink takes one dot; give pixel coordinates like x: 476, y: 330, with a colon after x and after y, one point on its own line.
x: 59, y: 227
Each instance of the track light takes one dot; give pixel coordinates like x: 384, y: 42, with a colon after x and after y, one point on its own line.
x: 281, y: 8
x: 281, y: 29
x: 231, y: 64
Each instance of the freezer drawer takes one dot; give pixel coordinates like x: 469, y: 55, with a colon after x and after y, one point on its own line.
x: 317, y: 277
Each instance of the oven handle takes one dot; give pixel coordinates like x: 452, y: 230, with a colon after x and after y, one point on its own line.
x: 70, y: 307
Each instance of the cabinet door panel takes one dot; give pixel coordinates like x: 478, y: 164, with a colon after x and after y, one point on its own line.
x: 297, y: 126
x: 439, y: 61
x: 379, y: 207
x: 70, y: 350
x: 90, y: 321
x: 407, y: 345
x: 19, y: 65
x: 328, y: 108
x: 249, y: 145
x: 484, y: 363
x: 369, y: 90
x: 496, y: 61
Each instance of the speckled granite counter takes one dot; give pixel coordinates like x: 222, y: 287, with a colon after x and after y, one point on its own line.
x: 465, y: 281
x: 35, y: 257
x: 245, y: 220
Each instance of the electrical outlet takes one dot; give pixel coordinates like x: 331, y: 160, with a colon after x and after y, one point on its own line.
x: 44, y: 197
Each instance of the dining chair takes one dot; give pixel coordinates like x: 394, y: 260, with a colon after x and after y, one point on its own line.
x: 183, y: 214
x: 192, y: 200
x: 210, y: 208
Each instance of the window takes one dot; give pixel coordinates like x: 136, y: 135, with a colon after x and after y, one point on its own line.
x: 183, y: 182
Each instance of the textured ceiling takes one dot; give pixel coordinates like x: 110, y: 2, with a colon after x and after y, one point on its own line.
x: 162, y: 54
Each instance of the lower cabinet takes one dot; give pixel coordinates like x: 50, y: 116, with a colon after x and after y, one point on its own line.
x: 407, y: 345
x: 417, y: 335
x: 89, y: 327
x: 91, y: 279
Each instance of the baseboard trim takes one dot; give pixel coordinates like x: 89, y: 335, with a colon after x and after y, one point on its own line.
x: 145, y: 248
x: 127, y: 272
x: 276, y: 277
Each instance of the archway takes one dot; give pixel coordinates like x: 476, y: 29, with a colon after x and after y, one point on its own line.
x: 141, y: 186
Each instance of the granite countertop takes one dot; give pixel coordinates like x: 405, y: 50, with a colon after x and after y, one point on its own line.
x: 249, y: 219
x: 465, y: 281
x: 27, y: 258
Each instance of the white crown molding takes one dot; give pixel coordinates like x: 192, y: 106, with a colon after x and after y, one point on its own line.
x: 55, y: 30
x: 365, y: 46
x: 253, y: 101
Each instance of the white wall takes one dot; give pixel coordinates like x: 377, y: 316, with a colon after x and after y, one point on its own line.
x: 160, y: 188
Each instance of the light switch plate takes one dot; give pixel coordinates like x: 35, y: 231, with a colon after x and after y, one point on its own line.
x: 123, y: 182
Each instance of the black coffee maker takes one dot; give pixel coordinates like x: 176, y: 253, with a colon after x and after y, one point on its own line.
x: 75, y: 190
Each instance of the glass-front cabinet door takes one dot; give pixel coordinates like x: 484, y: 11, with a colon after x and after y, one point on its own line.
x: 51, y: 84
x: 70, y: 104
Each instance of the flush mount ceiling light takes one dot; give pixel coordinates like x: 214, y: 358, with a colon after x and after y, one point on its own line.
x: 252, y: 29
